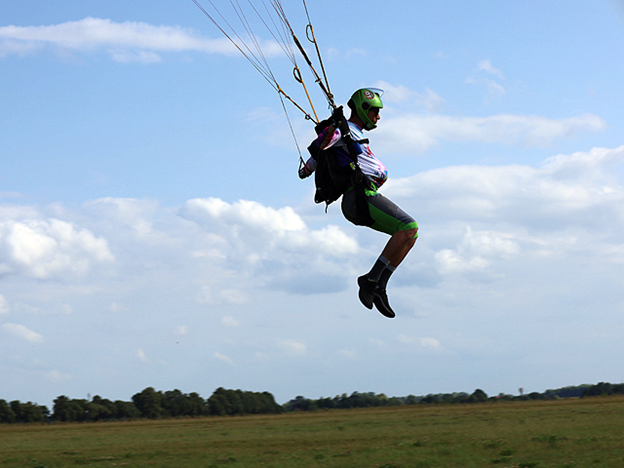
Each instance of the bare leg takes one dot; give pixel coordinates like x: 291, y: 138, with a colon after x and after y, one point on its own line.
x: 399, y: 246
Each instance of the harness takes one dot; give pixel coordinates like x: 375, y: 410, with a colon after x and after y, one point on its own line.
x: 332, y: 179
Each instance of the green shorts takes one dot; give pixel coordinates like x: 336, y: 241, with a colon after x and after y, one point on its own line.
x: 383, y: 215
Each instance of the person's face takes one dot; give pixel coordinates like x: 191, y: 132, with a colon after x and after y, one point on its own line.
x: 373, y: 115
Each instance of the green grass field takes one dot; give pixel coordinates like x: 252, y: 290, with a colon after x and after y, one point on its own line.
x: 565, y: 433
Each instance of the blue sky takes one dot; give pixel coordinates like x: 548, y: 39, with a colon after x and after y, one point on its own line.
x: 153, y: 231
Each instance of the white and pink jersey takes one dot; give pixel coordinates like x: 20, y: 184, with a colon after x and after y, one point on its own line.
x: 371, y: 167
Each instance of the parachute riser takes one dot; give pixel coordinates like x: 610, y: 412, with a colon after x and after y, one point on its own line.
x: 328, y: 95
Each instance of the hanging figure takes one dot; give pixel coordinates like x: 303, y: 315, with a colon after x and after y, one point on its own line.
x: 342, y: 149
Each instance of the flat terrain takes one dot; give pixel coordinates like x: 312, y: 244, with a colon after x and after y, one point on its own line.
x: 566, y: 433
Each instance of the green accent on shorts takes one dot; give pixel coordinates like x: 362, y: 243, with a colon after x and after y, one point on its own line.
x: 387, y: 216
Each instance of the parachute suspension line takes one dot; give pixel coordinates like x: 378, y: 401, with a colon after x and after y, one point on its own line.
x: 282, y: 14
x: 256, y: 57
x: 287, y: 47
x: 292, y: 130
x: 280, y: 10
x: 260, y: 58
x: 312, y: 39
x: 307, y: 116
x: 247, y: 52
x: 282, y: 40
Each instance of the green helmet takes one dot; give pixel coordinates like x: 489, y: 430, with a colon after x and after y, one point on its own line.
x: 362, y: 101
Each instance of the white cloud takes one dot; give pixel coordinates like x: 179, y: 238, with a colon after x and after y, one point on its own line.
x: 267, y: 244
x: 223, y: 358
x: 127, y: 212
x: 247, y: 213
x: 269, y: 228
x: 481, y: 219
x: 486, y: 65
x: 411, y: 133
x: 124, y: 42
x: 4, y: 305
x: 23, y: 333
x: 45, y: 248
x: 127, y: 41
x: 491, y: 82
x: 402, y: 94
x: 476, y: 251
x: 565, y: 190
x: 19, y: 48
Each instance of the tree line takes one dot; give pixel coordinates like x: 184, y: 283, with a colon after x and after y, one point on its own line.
x: 362, y: 400
x: 149, y: 403
x: 152, y: 404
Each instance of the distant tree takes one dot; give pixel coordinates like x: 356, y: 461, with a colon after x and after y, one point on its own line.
x: 149, y: 403
x: 428, y: 399
x: 411, y: 400
x: 29, y: 412
x: 7, y: 415
x: 126, y: 410
x: 479, y: 396
x: 325, y: 403
x: 602, y: 388
x: 175, y: 403
x: 97, y: 412
x: 268, y: 405
x: 197, y: 405
x: 101, y: 409
x: 217, y: 404
x: 567, y: 392
x: 67, y: 410
x: 618, y: 389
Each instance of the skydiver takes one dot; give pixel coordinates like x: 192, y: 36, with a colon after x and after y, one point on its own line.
x: 366, y: 206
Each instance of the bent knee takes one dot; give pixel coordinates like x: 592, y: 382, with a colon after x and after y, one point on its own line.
x: 411, y: 234
x: 408, y: 235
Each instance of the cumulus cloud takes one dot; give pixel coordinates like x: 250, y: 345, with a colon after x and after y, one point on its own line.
x: 267, y: 243
x: 124, y: 42
x: 428, y: 100
x: 411, y: 133
x: 501, y: 215
x: 269, y: 228
x: 43, y: 248
x: 246, y: 213
x: 566, y: 189
x: 23, y: 333
x: 223, y: 255
x: 476, y: 251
